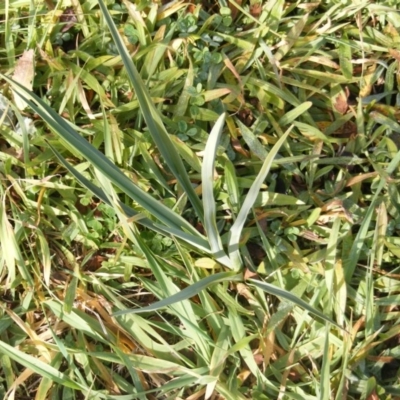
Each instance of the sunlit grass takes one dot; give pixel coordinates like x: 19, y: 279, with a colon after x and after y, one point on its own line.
x: 208, y: 207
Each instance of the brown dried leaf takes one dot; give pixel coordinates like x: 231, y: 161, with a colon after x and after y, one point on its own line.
x: 268, y: 347
x: 191, y: 8
x: 249, y: 274
x: 309, y: 7
x: 382, y: 359
x: 231, y: 67
x: 23, y: 74
x: 348, y: 130
x: 243, y: 375
x: 69, y: 18
x: 95, y: 262
x: 395, y: 54
x: 334, y: 204
x: 367, y: 81
x: 256, y: 9
x: 340, y: 104
x: 357, y: 326
x: 373, y: 396
x: 239, y: 149
x: 391, y: 30
x: 309, y: 235
x: 234, y: 10
x: 359, y: 178
x: 246, y: 116
x: 285, y: 375
x: 331, y: 216
x: 332, y: 210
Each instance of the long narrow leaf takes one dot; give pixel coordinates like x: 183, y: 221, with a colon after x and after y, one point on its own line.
x: 186, y: 293
x: 350, y: 262
x: 207, y: 177
x: 271, y: 289
x: 182, y: 308
x: 251, y: 197
x: 325, y: 370
x: 152, y: 117
x: 195, y: 241
x: 99, y: 161
x: 40, y: 367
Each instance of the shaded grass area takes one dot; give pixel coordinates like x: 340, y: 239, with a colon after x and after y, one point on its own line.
x: 322, y: 232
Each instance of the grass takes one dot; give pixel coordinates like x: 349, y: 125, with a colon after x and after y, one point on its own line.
x: 205, y: 202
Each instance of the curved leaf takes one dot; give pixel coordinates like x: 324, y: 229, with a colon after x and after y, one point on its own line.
x: 207, y: 178
x: 186, y: 293
x: 152, y: 117
x: 276, y: 291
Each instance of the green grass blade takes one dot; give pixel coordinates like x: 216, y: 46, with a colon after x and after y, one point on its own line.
x: 239, y: 333
x: 271, y: 289
x: 218, y: 357
x: 80, y: 321
x: 39, y: 367
x: 183, y: 309
x: 345, y: 58
x: 183, y: 101
x: 350, y: 262
x: 152, y: 165
x: 325, y: 370
x: 330, y: 258
x: 251, y: 197
x: 252, y: 141
x: 186, y: 293
x: 8, y: 36
x: 323, y: 229
x: 102, y: 163
x: 13, y: 256
x: 232, y: 186
x: 272, y: 61
x: 292, y: 36
x: 70, y: 295
x: 207, y: 177
x: 195, y: 241
x: 152, y: 117
x: 159, y: 46
x: 290, y: 116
